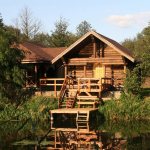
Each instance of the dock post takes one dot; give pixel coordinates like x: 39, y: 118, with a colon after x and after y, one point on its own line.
x: 51, y: 119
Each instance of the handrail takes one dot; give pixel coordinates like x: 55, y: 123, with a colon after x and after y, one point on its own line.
x: 97, y: 84
x: 68, y: 80
x: 52, y: 82
x: 62, y: 92
x: 88, y: 83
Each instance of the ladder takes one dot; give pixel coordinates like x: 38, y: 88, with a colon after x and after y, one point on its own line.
x: 82, y: 117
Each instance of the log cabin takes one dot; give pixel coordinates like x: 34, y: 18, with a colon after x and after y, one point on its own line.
x: 94, y: 60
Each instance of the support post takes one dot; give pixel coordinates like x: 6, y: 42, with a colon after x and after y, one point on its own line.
x: 55, y: 88
x: 78, y: 84
x: 35, y: 71
x: 125, y: 69
x: 66, y: 70
x: 94, y: 49
x: 84, y: 71
x: 94, y: 46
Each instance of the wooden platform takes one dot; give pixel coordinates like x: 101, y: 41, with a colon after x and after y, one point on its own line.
x: 80, y: 114
x: 72, y: 110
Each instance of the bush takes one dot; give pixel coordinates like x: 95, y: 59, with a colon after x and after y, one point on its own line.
x: 129, y: 107
x: 37, y: 108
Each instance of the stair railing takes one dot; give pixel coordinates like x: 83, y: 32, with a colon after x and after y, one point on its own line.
x: 66, y: 84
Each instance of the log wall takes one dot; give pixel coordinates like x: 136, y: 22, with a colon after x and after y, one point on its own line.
x: 115, y: 72
x: 86, y: 50
x: 94, y: 52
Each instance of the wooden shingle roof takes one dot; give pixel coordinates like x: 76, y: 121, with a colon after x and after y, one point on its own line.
x: 35, y: 53
x: 115, y: 45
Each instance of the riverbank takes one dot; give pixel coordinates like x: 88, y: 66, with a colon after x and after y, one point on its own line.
x: 37, y: 108
x: 128, y: 107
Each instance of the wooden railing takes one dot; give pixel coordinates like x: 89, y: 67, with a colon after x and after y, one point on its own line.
x: 81, y: 84
x: 89, y: 84
x: 66, y: 84
x: 53, y: 84
x: 62, y: 92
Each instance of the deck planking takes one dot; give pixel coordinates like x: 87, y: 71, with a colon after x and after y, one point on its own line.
x: 73, y: 110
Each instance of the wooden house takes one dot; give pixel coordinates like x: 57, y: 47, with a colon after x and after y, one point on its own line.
x: 92, y: 57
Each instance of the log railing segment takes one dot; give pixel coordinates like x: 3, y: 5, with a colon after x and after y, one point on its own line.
x: 54, y: 84
x: 80, y: 84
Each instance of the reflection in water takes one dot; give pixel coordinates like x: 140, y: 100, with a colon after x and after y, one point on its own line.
x: 85, y: 137
x: 38, y: 136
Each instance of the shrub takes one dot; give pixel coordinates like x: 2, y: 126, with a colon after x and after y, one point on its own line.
x: 129, y: 107
x: 37, y: 108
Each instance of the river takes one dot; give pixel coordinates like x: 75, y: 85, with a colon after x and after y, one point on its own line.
x: 101, y: 135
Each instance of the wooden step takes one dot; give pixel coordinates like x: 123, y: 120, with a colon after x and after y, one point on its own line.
x: 87, y: 97
x: 86, y: 103
x: 82, y: 127
x: 68, y: 100
x: 70, y: 97
x: 82, y: 116
x: 66, y: 106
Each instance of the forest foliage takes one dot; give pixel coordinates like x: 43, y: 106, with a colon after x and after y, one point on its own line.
x: 11, y: 70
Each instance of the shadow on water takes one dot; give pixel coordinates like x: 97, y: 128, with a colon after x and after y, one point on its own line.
x: 67, y: 134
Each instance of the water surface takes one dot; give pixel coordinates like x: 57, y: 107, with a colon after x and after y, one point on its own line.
x: 32, y: 135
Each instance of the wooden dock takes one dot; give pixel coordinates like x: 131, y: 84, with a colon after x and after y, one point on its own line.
x: 72, y: 110
x: 79, y: 114
x: 74, y: 106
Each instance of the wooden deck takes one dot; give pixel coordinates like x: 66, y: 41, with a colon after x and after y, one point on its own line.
x: 72, y: 110
x: 68, y: 100
x: 80, y: 115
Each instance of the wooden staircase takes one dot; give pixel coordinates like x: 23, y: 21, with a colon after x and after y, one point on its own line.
x: 87, y: 101
x: 67, y: 99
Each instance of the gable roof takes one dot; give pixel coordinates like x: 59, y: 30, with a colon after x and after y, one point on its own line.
x: 35, y: 53
x: 115, y: 45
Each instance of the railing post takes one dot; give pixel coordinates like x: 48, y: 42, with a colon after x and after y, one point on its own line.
x: 78, y: 84
x: 55, y: 89
x: 89, y: 85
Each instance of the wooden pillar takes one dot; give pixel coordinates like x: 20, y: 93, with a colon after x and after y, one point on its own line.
x: 84, y: 71
x: 94, y: 49
x: 26, y: 84
x: 55, y: 88
x: 94, y: 46
x: 104, y: 71
x: 35, y: 72
x: 66, y: 70
x: 125, y: 69
x: 55, y: 138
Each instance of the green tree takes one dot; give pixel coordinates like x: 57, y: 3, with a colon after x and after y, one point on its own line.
x: 11, y: 72
x: 1, y: 21
x: 83, y: 28
x: 61, y: 37
x: 141, y: 49
x: 43, y: 39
